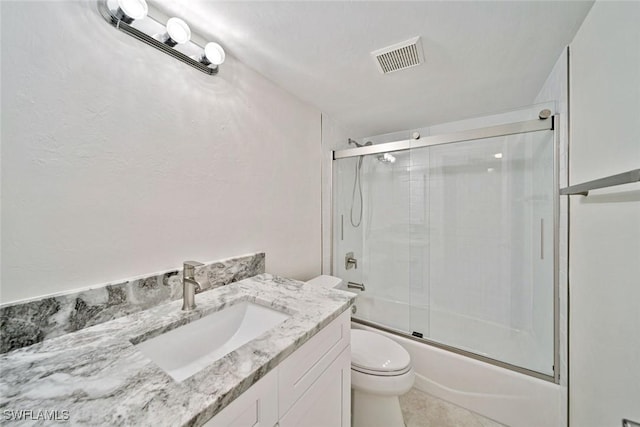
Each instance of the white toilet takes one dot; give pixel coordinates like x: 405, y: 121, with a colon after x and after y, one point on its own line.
x: 380, y: 372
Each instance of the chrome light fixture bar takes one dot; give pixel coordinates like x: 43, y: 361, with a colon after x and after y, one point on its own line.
x: 176, y: 34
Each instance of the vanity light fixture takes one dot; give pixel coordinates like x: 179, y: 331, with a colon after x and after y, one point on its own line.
x: 213, y: 54
x: 130, y: 10
x: 178, y: 32
x: 173, y: 38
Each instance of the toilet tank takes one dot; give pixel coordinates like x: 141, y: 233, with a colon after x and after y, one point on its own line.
x: 325, y: 281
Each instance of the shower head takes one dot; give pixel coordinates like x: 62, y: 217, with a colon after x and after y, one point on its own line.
x: 351, y: 141
x: 387, y: 158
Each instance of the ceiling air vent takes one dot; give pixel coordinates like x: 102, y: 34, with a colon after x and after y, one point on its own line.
x: 399, y: 56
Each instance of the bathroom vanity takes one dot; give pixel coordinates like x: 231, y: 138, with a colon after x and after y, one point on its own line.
x: 294, y: 372
x: 309, y: 388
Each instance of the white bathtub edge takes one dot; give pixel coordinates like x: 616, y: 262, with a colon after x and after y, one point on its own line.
x: 500, y: 394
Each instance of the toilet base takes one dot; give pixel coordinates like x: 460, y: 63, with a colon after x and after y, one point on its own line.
x: 370, y: 410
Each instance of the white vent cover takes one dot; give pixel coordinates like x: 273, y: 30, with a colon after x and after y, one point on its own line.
x: 399, y: 56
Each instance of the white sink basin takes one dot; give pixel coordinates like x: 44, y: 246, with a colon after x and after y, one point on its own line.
x: 186, y: 350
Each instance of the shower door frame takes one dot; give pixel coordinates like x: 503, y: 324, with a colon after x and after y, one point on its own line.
x: 549, y: 124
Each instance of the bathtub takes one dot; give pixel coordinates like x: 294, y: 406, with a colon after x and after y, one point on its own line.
x: 497, y: 393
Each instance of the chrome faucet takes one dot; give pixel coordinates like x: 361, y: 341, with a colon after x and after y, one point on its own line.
x: 190, y: 285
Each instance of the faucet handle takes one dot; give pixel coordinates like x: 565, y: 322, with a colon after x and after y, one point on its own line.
x: 189, y: 267
x: 192, y: 264
x: 350, y: 261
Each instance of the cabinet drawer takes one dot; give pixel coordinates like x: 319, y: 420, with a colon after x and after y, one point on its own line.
x: 302, y: 368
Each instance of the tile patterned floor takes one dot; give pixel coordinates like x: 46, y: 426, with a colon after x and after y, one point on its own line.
x: 423, y: 410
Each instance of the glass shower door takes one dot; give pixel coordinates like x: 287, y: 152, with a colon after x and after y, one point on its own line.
x: 454, y: 242
x: 483, y: 262
x: 377, y: 231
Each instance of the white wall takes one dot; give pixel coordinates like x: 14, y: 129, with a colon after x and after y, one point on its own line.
x: 604, y: 272
x: 118, y: 160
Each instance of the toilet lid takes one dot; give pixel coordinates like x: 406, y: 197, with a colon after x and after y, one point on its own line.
x: 371, y: 352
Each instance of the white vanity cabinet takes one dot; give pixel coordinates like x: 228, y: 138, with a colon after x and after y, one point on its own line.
x: 314, y: 383
x: 327, y: 402
x: 311, y: 387
x: 257, y: 406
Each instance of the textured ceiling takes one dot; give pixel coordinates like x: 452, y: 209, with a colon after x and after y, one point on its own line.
x: 480, y: 57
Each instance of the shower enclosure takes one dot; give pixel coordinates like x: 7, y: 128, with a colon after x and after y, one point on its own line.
x: 452, y: 240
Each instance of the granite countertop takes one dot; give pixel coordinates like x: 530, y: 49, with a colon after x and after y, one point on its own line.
x: 100, y: 378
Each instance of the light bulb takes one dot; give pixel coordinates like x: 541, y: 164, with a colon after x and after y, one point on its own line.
x: 178, y: 32
x: 214, y: 53
x: 131, y: 10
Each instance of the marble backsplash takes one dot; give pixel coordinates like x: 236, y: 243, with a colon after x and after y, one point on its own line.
x: 29, y: 322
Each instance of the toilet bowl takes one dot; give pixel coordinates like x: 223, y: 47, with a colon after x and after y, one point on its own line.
x: 380, y: 372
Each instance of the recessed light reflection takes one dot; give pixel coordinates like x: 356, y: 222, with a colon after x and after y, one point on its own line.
x: 498, y: 155
x: 490, y: 170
